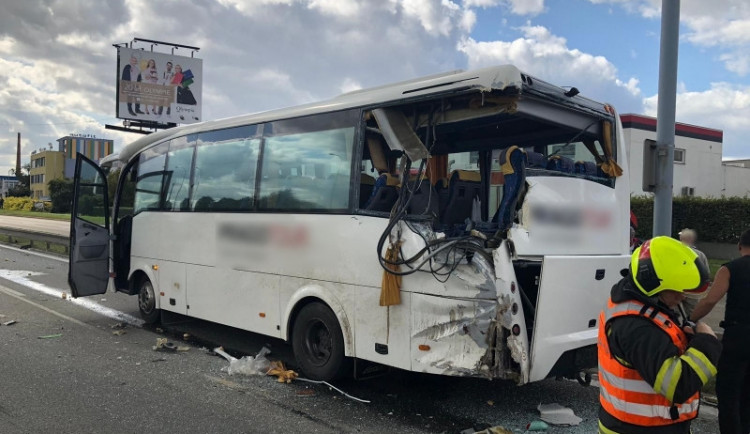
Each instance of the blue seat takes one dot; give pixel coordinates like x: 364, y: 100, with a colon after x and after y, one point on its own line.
x: 536, y: 160
x: 559, y: 163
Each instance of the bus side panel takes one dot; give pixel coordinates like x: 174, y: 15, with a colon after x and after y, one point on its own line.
x: 171, y: 283
x: 449, y: 334
x: 383, y: 330
x: 572, y: 292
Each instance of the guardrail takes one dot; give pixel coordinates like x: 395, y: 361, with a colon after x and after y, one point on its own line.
x: 15, y: 235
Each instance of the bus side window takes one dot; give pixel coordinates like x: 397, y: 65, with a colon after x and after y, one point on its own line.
x: 225, y: 166
x: 150, y: 184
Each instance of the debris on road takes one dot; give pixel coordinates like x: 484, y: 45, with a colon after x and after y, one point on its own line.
x: 248, y: 365
x: 486, y: 429
x: 186, y: 337
x: 279, y: 370
x: 491, y: 403
x: 119, y: 332
x: 64, y: 296
x: 556, y: 414
x: 183, y: 348
x: 159, y: 330
x: 327, y: 384
x: 163, y: 344
x: 11, y: 322
x: 118, y: 326
x: 50, y: 336
x: 537, y: 425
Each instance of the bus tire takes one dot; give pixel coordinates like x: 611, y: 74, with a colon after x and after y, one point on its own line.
x: 147, y: 301
x: 318, y: 343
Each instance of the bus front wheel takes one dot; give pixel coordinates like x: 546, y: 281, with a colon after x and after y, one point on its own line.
x: 318, y: 343
x: 147, y: 301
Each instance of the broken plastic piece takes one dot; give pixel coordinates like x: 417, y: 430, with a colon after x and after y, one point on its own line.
x: 11, y: 322
x: 50, y: 336
x: 248, y: 365
x: 537, y: 425
x: 556, y: 414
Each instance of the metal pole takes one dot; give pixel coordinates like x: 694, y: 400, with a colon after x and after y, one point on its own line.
x: 665, y: 115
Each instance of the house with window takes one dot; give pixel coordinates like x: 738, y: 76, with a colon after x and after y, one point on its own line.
x: 699, y: 169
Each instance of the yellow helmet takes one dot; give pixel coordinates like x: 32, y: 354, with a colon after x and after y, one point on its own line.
x: 663, y: 263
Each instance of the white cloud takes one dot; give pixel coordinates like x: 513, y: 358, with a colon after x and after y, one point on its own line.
x: 526, y: 7
x: 545, y: 55
x: 349, y: 85
x: 723, y: 106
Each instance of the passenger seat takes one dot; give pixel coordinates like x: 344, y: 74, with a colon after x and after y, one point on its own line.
x: 464, y: 186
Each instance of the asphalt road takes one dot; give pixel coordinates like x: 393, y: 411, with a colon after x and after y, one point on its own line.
x: 63, y: 370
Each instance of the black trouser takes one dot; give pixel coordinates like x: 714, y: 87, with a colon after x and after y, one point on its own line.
x: 733, y: 381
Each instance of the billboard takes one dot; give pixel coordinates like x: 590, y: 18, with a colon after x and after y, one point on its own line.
x: 158, y: 87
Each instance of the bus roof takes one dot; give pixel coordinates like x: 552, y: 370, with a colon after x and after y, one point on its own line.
x: 483, y: 80
x: 486, y: 79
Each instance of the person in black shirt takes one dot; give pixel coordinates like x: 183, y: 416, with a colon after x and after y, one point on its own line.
x: 733, y: 379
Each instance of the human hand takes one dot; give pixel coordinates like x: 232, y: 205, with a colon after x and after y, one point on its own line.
x: 702, y: 327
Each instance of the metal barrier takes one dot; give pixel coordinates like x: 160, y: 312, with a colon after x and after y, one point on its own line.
x: 14, y: 234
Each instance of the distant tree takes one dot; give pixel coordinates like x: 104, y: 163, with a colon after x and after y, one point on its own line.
x: 19, y: 190
x: 61, y: 193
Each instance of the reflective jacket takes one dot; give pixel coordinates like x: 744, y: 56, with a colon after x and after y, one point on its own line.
x: 625, y: 395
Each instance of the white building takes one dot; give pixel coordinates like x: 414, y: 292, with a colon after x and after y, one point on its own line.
x: 698, y: 166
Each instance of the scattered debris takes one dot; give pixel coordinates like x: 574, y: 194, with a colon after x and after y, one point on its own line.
x: 160, y: 359
x: 306, y: 392
x: 11, y: 322
x: 327, y: 384
x: 159, y: 330
x: 556, y: 414
x: 186, y: 337
x: 50, y: 336
x: 491, y: 430
x: 491, y: 403
x: 537, y: 425
x: 285, y: 375
x: 248, y: 365
x: 64, y: 296
x: 119, y: 332
x: 118, y: 326
x: 183, y: 348
x: 162, y: 344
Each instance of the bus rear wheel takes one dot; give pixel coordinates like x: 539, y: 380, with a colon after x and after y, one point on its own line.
x: 147, y: 301
x: 318, y: 343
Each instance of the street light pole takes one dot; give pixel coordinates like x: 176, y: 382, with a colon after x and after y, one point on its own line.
x: 665, y: 116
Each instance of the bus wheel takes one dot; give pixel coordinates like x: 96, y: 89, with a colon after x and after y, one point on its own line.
x: 147, y: 302
x: 318, y: 343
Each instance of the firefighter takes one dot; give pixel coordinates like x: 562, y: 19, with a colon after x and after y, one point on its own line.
x: 651, y: 365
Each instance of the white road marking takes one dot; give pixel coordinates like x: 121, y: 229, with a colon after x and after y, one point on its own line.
x: 21, y: 297
x: 21, y: 277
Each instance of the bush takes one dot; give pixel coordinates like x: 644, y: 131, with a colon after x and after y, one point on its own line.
x: 715, y: 220
x: 61, y: 193
x: 18, y: 203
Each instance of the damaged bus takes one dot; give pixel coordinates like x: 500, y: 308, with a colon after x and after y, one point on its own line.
x: 464, y: 224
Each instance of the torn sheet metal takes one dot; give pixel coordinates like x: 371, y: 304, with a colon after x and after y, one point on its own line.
x: 556, y: 414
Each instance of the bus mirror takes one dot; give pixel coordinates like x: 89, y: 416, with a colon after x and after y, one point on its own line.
x: 399, y: 135
x: 649, y: 165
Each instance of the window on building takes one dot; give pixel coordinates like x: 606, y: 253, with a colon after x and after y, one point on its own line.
x: 679, y: 156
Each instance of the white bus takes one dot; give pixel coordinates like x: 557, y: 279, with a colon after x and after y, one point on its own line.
x: 499, y: 193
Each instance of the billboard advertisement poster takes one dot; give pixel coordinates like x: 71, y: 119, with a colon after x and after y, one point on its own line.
x: 158, y: 87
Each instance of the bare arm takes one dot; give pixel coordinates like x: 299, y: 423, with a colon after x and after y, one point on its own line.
x: 717, y: 291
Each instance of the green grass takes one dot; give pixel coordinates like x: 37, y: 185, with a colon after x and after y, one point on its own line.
x: 36, y: 214
x: 714, y: 265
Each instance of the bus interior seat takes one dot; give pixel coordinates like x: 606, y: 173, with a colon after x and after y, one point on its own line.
x: 559, y: 163
x: 536, y: 160
x: 441, y: 188
x: 385, y: 193
x: 463, y: 187
x: 366, y: 185
x: 424, y: 200
x: 512, y: 187
x: 587, y: 168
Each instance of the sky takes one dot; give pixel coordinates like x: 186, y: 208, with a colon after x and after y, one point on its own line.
x: 58, y: 64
